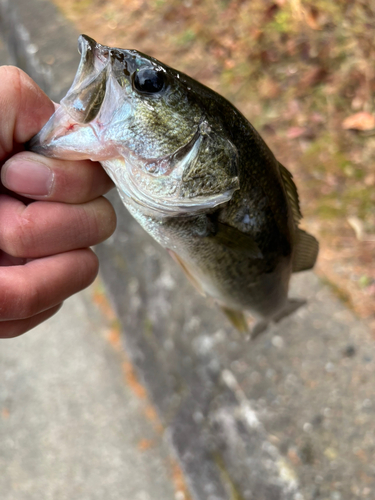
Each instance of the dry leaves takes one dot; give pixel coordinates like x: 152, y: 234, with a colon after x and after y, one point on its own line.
x: 359, y: 121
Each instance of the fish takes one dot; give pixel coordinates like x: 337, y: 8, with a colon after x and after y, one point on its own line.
x: 193, y: 172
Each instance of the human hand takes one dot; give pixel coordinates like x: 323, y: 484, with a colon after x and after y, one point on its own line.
x: 44, y: 254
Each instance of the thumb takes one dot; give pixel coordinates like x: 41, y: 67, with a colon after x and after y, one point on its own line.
x: 24, y: 109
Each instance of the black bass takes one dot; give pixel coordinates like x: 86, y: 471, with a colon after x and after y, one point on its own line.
x: 193, y: 172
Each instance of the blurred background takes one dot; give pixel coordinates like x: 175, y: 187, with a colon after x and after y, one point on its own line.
x: 303, y: 73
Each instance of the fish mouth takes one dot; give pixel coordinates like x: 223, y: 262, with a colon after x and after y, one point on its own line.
x: 89, y: 105
x: 86, y: 94
x: 99, y: 65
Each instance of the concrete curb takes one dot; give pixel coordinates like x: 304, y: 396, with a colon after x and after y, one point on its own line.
x: 229, y: 445
x: 41, y: 42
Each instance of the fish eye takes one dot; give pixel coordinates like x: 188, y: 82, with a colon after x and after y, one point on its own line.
x: 149, y: 81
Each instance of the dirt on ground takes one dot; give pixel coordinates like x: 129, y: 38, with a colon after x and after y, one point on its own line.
x: 303, y: 73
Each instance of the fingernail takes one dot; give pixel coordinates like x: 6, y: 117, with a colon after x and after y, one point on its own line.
x: 27, y: 177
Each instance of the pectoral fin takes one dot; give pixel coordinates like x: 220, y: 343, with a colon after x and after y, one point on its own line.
x: 236, y: 240
x: 306, y: 251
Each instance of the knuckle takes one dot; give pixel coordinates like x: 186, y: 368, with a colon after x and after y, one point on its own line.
x: 12, y: 78
x: 18, y: 300
x: 88, y: 270
x: 29, y: 302
x: 86, y: 225
x: 108, y: 220
x: 14, y: 75
x: 19, y: 236
x: 98, y: 220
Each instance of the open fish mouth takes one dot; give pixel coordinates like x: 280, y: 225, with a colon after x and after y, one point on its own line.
x: 85, y: 97
x: 99, y: 65
x: 76, y: 129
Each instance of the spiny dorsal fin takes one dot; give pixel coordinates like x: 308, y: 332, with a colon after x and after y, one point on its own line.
x: 292, y: 193
x: 306, y: 251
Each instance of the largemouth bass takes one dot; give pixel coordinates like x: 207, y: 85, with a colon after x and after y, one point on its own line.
x: 193, y: 172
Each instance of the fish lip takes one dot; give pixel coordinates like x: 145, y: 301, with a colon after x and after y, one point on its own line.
x: 85, y: 43
x: 93, y: 61
x: 57, y: 127
x: 90, y: 80
x: 87, y: 46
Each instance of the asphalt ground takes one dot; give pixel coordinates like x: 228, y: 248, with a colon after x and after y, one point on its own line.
x: 71, y: 425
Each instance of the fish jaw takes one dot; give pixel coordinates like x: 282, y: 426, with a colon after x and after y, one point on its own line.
x: 62, y: 137
x: 82, y: 126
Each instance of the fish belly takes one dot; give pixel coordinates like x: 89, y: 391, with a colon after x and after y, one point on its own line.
x: 233, y: 281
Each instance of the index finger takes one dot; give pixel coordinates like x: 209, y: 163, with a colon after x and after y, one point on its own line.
x: 25, y: 108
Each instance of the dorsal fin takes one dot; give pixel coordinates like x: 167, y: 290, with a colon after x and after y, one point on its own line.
x: 292, y: 193
x: 306, y: 246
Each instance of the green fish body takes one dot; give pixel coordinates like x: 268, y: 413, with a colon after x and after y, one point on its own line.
x: 193, y: 172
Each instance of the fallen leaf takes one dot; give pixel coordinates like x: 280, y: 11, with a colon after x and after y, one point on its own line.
x: 313, y: 76
x: 359, y: 121
x: 145, y: 444
x: 295, y: 132
x: 369, y: 180
x: 312, y: 18
x: 358, y: 227
x: 270, y: 12
x: 317, y: 118
x: 268, y: 88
